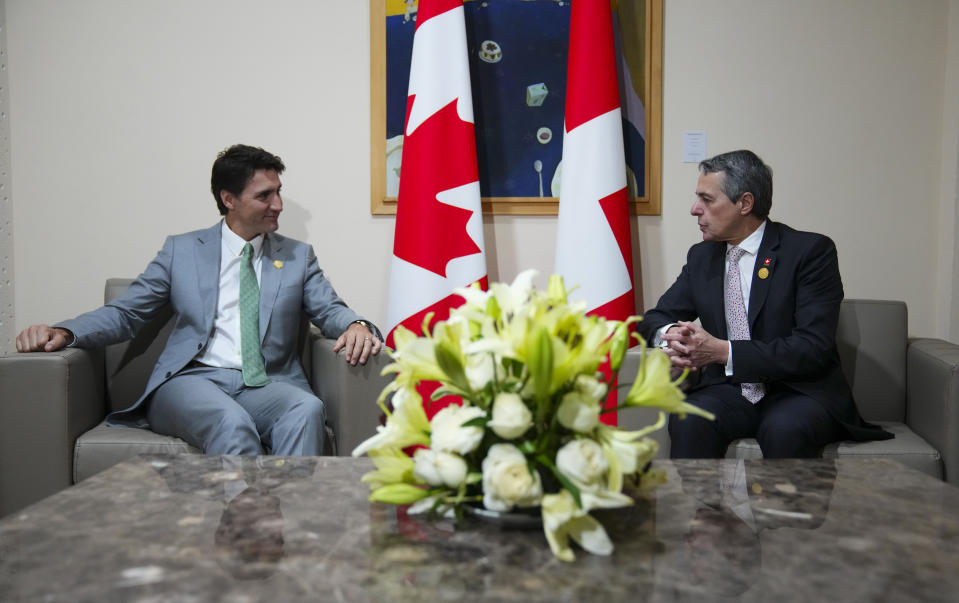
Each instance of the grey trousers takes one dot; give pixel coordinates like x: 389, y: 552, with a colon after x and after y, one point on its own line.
x: 213, y: 410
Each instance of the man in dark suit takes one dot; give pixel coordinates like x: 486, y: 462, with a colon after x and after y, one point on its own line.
x: 767, y: 298
x: 229, y: 380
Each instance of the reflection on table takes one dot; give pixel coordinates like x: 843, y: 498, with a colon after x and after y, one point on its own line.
x: 301, y: 529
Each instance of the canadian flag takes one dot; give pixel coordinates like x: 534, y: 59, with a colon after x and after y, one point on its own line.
x: 438, y: 244
x: 593, y: 251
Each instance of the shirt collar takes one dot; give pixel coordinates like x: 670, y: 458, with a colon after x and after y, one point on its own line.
x: 751, y: 243
x: 235, y: 243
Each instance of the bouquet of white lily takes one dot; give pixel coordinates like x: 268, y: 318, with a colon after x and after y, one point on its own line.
x: 526, y: 365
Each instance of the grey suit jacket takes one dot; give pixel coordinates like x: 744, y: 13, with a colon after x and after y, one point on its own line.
x: 185, y: 274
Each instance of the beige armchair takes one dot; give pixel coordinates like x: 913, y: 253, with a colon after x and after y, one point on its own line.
x: 910, y: 386
x: 53, y: 405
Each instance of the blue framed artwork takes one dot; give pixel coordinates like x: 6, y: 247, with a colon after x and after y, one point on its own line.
x: 517, y: 56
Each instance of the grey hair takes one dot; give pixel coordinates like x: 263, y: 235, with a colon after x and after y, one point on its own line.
x: 743, y: 172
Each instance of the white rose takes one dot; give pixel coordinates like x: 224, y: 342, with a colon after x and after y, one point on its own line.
x: 448, y: 433
x: 590, y: 387
x: 511, y: 417
x: 439, y: 468
x: 507, y: 480
x: 578, y: 412
x: 480, y: 370
x: 582, y: 461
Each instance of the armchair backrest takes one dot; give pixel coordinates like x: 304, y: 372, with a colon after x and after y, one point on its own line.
x: 128, y: 365
x: 872, y: 338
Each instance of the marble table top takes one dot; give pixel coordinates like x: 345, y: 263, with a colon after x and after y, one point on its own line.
x: 202, y: 528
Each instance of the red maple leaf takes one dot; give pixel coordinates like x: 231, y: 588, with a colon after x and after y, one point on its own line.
x: 439, y: 155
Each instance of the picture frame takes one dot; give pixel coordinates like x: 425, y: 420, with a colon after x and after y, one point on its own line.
x: 540, y: 53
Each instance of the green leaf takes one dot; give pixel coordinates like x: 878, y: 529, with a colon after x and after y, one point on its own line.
x: 527, y: 447
x: 449, y: 362
x: 476, y: 422
x: 426, y: 323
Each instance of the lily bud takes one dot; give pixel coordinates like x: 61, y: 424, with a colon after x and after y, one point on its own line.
x: 617, y: 350
x: 540, y: 362
x: 398, y: 494
x: 556, y: 290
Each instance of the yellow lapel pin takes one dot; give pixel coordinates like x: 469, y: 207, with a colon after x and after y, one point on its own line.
x: 278, y: 264
x: 763, y: 273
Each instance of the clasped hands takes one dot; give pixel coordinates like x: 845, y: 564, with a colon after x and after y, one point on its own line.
x: 689, y: 346
x: 359, y: 344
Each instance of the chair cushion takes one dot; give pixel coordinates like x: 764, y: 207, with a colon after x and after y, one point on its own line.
x: 105, y: 446
x: 907, y: 448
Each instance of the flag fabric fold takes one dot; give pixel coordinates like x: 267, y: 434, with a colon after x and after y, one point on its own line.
x: 438, y: 244
x: 593, y: 249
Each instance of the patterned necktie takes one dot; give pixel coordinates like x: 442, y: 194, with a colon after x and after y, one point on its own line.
x: 254, y: 374
x: 736, y: 317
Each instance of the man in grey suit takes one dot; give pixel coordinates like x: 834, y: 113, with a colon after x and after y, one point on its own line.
x: 229, y: 380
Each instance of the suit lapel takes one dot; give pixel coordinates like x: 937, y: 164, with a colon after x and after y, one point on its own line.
x: 271, y: 275
x: 714, y: 282
x: 762, y: 271
x: 208, y: 243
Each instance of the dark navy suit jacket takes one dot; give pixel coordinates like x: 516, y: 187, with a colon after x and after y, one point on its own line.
x: 793, y: 315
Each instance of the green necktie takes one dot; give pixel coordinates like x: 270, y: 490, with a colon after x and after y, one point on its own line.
x: 254, y: 375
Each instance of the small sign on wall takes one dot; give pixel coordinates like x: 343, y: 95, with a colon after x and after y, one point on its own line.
x: 694, y: 146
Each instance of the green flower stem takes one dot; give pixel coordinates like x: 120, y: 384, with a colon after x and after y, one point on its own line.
x: 542, y: 411
x: 544, y: 460
x: 615, y: 409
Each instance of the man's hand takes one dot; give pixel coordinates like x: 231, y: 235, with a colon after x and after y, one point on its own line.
x: 690, y: 346
x: 359, y: 343
x: 43, y: 338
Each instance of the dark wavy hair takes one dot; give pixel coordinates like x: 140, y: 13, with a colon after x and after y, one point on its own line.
x: 235, y: 166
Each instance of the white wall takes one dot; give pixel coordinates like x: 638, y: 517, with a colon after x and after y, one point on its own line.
x: 844, y: 100
x: 7, y: 332
x: 947, y: 296
x: 118, y: 109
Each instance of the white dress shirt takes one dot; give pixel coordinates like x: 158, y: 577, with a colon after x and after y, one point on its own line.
x: 223, y: 349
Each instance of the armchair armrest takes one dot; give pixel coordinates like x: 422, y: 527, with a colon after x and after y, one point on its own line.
x: 932, y: 398
x: 349, y: 392
x: 48, y: 400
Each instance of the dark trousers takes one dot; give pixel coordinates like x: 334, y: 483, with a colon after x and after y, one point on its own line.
x: 786, y: 423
